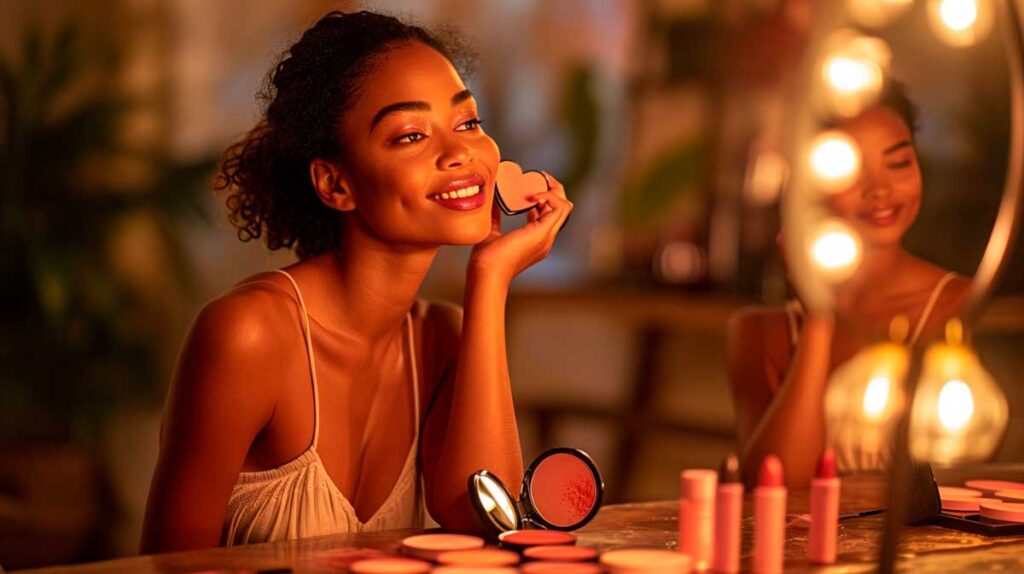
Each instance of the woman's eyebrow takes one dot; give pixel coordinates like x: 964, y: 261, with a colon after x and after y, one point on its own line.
x: 415, y: 106
x: 398, y: 107
x: 896, y: 147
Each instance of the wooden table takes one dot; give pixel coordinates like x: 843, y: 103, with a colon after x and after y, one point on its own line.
x: 923, y: 550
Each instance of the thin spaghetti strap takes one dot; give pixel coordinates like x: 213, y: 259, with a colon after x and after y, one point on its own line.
x: 415, y: 374
x: 930, y: 305
x: 792, y: 311
x: 309, y: 351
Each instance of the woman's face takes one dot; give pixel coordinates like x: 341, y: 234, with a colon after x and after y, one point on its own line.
x: 417, y: 162
x: 885, y: 200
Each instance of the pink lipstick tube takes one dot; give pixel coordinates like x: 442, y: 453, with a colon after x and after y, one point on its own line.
x: 769, y: 518
x: 697, y: 516
x: 728, y: 518
x: 825, y: 488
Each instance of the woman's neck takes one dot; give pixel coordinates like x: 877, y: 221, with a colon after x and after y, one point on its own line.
x: 372, y: 284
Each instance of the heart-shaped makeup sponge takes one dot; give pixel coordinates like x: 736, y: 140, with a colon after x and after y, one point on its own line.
x: 514, y: 187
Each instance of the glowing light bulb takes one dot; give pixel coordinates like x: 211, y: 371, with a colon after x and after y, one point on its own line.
x: 835, y: 160
x: 958, y: 15
x: 851, y: 75
x: 956, y: 405
x: 834, y: 250
x: 960, y: 22
x: 876, y: 396
x: 853, y: 70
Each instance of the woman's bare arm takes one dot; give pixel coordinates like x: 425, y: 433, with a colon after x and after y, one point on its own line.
x: 221, y: 396
x: 790, y: 424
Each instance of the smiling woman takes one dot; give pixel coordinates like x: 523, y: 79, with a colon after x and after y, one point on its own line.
x: 781, y: 358
x: 313, y: 399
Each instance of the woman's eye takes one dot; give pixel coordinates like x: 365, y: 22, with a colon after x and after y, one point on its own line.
x: 410, y: 138
x: 472, y: 124
x: 901, y: 164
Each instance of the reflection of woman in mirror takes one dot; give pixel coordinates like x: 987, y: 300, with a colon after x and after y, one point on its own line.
x: 780, y: 359
x: 313, y: 400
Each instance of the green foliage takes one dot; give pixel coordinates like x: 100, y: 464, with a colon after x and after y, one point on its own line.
x: 70, y: 344
x: 673, y: 177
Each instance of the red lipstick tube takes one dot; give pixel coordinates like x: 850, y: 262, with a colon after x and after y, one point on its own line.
x: 697, y: 516
x: 824, y: 510
x: 769, y: 518
x: 728, y: 518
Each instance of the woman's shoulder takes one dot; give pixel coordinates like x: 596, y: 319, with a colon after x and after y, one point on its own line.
x: 256, y: 313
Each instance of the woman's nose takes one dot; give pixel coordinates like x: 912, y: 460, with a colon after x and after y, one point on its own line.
x: 454, y: 153
x: 878, y: 187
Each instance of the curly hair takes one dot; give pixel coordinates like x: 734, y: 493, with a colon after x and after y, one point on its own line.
x: 266, y: 173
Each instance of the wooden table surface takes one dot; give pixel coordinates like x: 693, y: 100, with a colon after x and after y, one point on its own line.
x: 653, y: 524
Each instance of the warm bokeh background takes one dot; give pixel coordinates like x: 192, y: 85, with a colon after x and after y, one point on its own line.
x: 665, y: 120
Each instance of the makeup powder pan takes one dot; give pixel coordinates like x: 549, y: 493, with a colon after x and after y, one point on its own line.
x: 561, y: 568
x: 390, y: 566
x: 560, y: 553
x: 562, y: 490
x: 430, y: 546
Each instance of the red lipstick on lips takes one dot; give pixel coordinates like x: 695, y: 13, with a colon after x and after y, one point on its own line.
x: 448, y: 197
x: 882, y: 216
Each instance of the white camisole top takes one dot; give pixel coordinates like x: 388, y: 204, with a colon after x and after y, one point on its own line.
x: 299, y: 500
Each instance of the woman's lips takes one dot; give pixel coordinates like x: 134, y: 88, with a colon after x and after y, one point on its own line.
x: 882, y: 216
x: 462, y: 195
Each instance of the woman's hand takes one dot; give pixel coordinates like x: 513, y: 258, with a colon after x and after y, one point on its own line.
x: 508, y: 254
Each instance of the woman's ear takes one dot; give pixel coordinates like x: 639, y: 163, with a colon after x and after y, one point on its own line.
x: 330, y: 185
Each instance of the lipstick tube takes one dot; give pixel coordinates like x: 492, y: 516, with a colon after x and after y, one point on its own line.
x: 728, y: 517
x: 769, y: 518
x: 825, y: 487
x: 697, y: 516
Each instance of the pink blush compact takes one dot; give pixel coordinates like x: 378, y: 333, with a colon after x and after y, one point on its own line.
x: 514, y: 187
x: 562, y: 490
x: 560, y: 553
x: 390, y: 566
x: 646, y: 560
x: 528, y: 538
x: 1005, y: 511
x: 430, y: 546
x: 956, y: 491
x: 1010, y: 495
x: 483, y: 557
x: 991, y: 486
x: 474, y: 570
x: 965, y: 503
x: 561, y: 568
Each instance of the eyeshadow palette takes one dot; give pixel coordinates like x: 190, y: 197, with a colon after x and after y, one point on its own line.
x: 994, y: 511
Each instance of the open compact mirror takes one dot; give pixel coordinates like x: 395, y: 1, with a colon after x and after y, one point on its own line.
x: 514, y: 187
x: 562, y: 490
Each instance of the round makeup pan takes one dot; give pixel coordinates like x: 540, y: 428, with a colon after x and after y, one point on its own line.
x: 521, y: 539
x: 965, y: 503
x: 1010, y: 495
x: 560, y: 553
x: 646, y: 560
x: 563, y: 489
x: 389, y: 566
x: 560, y: 568
x: 483, y: 557
x: 956, y: 491
x: 991, y: 486
x: 1005, y: 511
x: 430, y: 546
x: 474, y: 570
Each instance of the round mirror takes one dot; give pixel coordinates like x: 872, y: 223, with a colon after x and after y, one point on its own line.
x: 493, y: 502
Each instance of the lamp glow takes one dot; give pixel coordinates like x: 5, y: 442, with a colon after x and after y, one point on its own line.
x: 834, y: 250
x: 877, y: 13
x: 851, y: 75
x: 956, y: 405
x: 853, y: 71
x: 835, y: 160
x: 876, y: 396
x: 960, y: 22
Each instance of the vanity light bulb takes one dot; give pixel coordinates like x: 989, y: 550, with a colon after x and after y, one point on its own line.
x: 956, y: 405
x: 836, y: 250
x: 851, y: 75
x: 960, y: 22
x: 853, y: 71
x: 835, y: 160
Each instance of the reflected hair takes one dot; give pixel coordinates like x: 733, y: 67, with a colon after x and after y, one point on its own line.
x: 266, y: 174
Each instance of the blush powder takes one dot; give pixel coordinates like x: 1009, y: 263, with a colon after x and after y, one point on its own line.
x: 561, y: 553
x: 429, y: 546
x: 1005, y: 511
x: 647, y: 560
x: 560, y: 568
x: 965, y: 503
x: 1011, y: 495
x: 950, y: 491
x: 563, y: 490
x: 484, y: 557
x: 527, y: 538
x: 474, y: 570
x: 390, y: 566
x: 990, y: 486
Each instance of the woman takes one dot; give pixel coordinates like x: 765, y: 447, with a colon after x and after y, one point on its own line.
x: 780, y: 359
x: 312, y: 400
